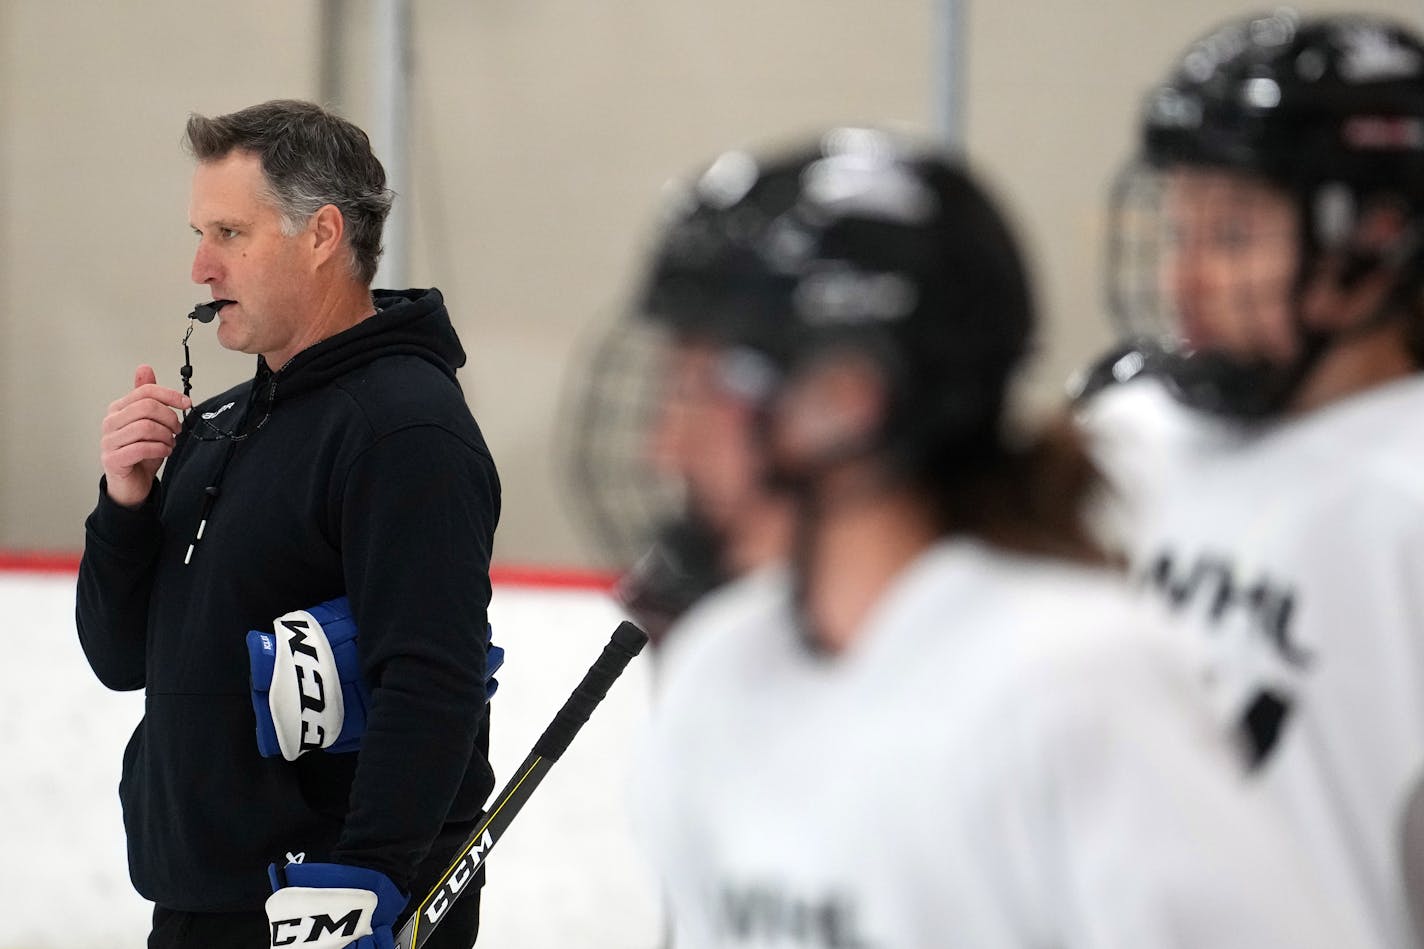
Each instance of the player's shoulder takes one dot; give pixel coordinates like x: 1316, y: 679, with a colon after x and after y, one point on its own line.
x: 1124, y: 362
x: 1080, y: 595
x: 1380, y: 431
x: 1138, y: 409
x: 742, y: 617
x: 1345, y: 475
x: 1027, y: 644
x: 1066, y: 620
x: 1089, y: 647
x: 1141, y: 435
x: 1031, y: 606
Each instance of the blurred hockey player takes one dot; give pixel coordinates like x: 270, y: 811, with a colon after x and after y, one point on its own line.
x: 941, y: 720
x: 1264, y: 423
x: 673, y: 546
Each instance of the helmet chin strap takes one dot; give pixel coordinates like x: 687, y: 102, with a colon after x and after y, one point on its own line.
x: 1243, y: 390
x: 803, y: 548
x: 813, y: 500
x: 863, y: 470
x: 818, y: 495
x: 1251, y: 390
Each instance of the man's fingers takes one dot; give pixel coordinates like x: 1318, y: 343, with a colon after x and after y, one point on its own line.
x: 147, y: 409
x: 130, y: 455
x: 169, y: 397
x: 143, y: 430
x: 146, y: 387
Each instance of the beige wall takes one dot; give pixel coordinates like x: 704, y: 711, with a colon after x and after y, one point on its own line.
x: 94, y: 242
x: 543, y: 131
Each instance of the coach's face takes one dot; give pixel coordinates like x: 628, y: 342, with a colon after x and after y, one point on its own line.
x: 1230, y: 263
x: 244, y: 256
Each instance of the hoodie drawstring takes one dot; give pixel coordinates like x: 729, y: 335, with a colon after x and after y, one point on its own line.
x: 211, y: 492
x: 210, y: 498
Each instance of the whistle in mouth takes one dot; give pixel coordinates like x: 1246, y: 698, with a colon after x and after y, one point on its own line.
x: 204, y: 312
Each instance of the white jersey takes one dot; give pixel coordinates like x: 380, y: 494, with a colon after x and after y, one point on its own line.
x: 1012, y: 754
x: 1297, y: 552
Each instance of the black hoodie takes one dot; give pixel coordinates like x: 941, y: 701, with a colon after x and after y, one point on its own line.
x: 356, y: 469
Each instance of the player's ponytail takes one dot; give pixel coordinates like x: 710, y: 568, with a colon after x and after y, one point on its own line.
x: 1030, y: 497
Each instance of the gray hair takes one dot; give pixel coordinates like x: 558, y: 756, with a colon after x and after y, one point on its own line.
x: 310, y: 158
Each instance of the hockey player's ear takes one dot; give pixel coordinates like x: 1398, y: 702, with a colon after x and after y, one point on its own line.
x: 1355, y: 281
x: 830, y: 410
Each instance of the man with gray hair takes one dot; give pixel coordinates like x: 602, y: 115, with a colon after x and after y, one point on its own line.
x: 347, y: 492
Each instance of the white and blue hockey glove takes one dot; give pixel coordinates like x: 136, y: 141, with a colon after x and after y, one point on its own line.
x: 330, y: 905
x: 307, y: 688
x: 293, y: 668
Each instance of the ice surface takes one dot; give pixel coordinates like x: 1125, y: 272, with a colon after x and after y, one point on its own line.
x: 565, y: 875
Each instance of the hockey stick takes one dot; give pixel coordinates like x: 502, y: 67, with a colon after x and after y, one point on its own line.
x: 627, y: 642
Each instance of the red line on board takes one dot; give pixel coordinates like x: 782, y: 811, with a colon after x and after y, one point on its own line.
x: 509, y: 575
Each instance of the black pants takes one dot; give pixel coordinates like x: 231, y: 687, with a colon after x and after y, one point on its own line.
x: 173, y: 929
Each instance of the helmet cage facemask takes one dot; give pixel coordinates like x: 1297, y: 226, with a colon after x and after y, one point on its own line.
x: 1235, y: 385
x: 628, y: 504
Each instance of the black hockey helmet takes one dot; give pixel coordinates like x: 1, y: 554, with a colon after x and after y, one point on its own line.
x: 1299, y: 102
x: 858, y: 238
x: 1329, y: 111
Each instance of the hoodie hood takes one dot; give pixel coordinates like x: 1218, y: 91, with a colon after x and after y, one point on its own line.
x: 406, y: 322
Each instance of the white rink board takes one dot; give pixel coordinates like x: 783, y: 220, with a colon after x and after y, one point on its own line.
x: 566, y: 873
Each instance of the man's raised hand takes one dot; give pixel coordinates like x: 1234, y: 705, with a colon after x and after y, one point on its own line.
x: 137, y: 435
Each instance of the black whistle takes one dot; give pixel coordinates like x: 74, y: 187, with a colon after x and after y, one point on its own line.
x: 204, y: 312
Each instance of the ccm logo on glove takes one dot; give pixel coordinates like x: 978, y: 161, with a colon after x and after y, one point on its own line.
x: 315, y: 928
x: 311, y: 685
x: 306, y: 682
x: 304, y: 675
